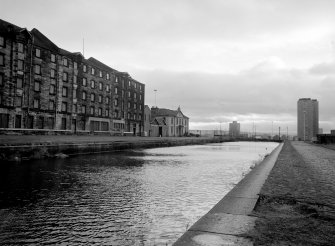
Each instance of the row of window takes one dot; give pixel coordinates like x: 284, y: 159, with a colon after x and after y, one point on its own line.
x: 178, y: 121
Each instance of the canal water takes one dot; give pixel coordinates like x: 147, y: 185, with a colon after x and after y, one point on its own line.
x: 140, y: 197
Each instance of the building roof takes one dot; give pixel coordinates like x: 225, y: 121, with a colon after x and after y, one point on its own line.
x: 166, y: 112
x: 99, y: 64
x: 42, y: 41
x: 6, y: 27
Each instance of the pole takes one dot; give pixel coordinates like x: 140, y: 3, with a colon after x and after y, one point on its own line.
x: 279, y: 133
x: 155, y: 97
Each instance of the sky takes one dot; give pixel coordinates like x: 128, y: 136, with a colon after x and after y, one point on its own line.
x: 219, y: 60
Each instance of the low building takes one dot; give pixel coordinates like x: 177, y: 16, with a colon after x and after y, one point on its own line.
x: 175, y: 120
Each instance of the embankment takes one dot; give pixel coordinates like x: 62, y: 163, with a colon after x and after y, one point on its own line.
x: 49, y: 148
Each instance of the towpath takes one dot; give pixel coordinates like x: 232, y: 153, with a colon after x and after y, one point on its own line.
x: 297, y: 205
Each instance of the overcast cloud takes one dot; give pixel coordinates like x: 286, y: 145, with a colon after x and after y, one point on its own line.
x: 245, y: 60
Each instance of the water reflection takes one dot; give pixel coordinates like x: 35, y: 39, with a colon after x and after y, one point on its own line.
x: 146, y: 197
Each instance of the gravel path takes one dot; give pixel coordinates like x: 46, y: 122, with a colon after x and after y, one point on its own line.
x: 297, y: 202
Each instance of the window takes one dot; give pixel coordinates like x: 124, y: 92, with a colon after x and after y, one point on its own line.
x: 100, y: 86
x: 75, y: 65
x: 19, y: 82
x: 84, y: 82
x: 1, y: 79
x: 128, y: 115
x: 134, y: 116
x: 92, y: 97
x: 38, y: 53
x: 18, y: 101
x: 64, y: 106
x: 92, y: 110
x: 139, y: 117
x: 122, y: 93
x: 53, y: 58
x: 107, y: 112
x: 74, y: 79
x: 51, y: 104
x: 140, y: 97
x: 140, y: 106
x: 20, y: 47
x: 135, y: 95
x: 20, y: 66
x: 115, y: 90
x: 135, y: 105
x: 65, y: 62
x: 75, y: 92
x: 84, y: 68
x: 74, y: 109
x: 100, y: 111
x: 92, y: 84
x: 65, y: 75
x: 135, y: 85
x: 107, y: 100
x: 100, y: 74
x: 128, y: 105
x: 63, y: 124
x: 37, y: 69
x: 107, y: 76
x: 83, y: 96
x: 129, y: 83
x: 2, y: 60
x: 52, y: 73
x: 129, y: 94
x: 140, y: 88
x: 36, y: 103
x: 116, y: 102
x: 52, y: 89
x: 100, y: 99
x: 107, y: 88
x: 116, y: 79
x: 92, y: 70
x: 64, y: 91
x: 83, y: 109
x: 37, y: 86
x: 2, y: 41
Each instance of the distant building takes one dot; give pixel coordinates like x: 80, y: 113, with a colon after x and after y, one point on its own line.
x: 308, y: 119
x: 332, y: 132
x: 234, y: 129
x: 320, y: 131
x: 176, y: 122
x: 46, y: 87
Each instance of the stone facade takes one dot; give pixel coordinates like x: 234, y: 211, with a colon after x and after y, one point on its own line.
x: 177, y: 123
x: 45, y: 87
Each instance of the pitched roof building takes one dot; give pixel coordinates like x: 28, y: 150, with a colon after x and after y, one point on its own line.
x: 43, y: 86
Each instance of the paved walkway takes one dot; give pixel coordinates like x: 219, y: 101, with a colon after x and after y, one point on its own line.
x: 297, y: 202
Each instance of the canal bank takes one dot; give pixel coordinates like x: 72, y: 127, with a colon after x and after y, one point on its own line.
x: 294, y: 206
x: 229, y: 221
x: 17, y: 147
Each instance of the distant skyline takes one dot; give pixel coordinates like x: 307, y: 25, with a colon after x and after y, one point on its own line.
x: 244, y: 60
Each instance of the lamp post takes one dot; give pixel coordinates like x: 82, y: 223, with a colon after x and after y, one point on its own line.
x: 155, y: 97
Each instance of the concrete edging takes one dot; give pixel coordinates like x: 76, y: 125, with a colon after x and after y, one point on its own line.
x: 230, y: 218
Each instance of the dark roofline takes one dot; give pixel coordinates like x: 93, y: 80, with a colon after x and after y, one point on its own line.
x: 42, y: 41
x: 99, y: 64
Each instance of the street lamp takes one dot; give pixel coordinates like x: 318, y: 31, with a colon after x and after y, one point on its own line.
x: 155, y: 97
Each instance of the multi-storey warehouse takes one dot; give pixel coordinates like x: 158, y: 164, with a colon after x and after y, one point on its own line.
x: 45, y: 87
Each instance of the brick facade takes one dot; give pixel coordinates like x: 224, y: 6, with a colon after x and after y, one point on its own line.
x: 45, y: 87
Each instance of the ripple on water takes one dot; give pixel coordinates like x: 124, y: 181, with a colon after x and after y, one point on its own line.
x: 147, y: 197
